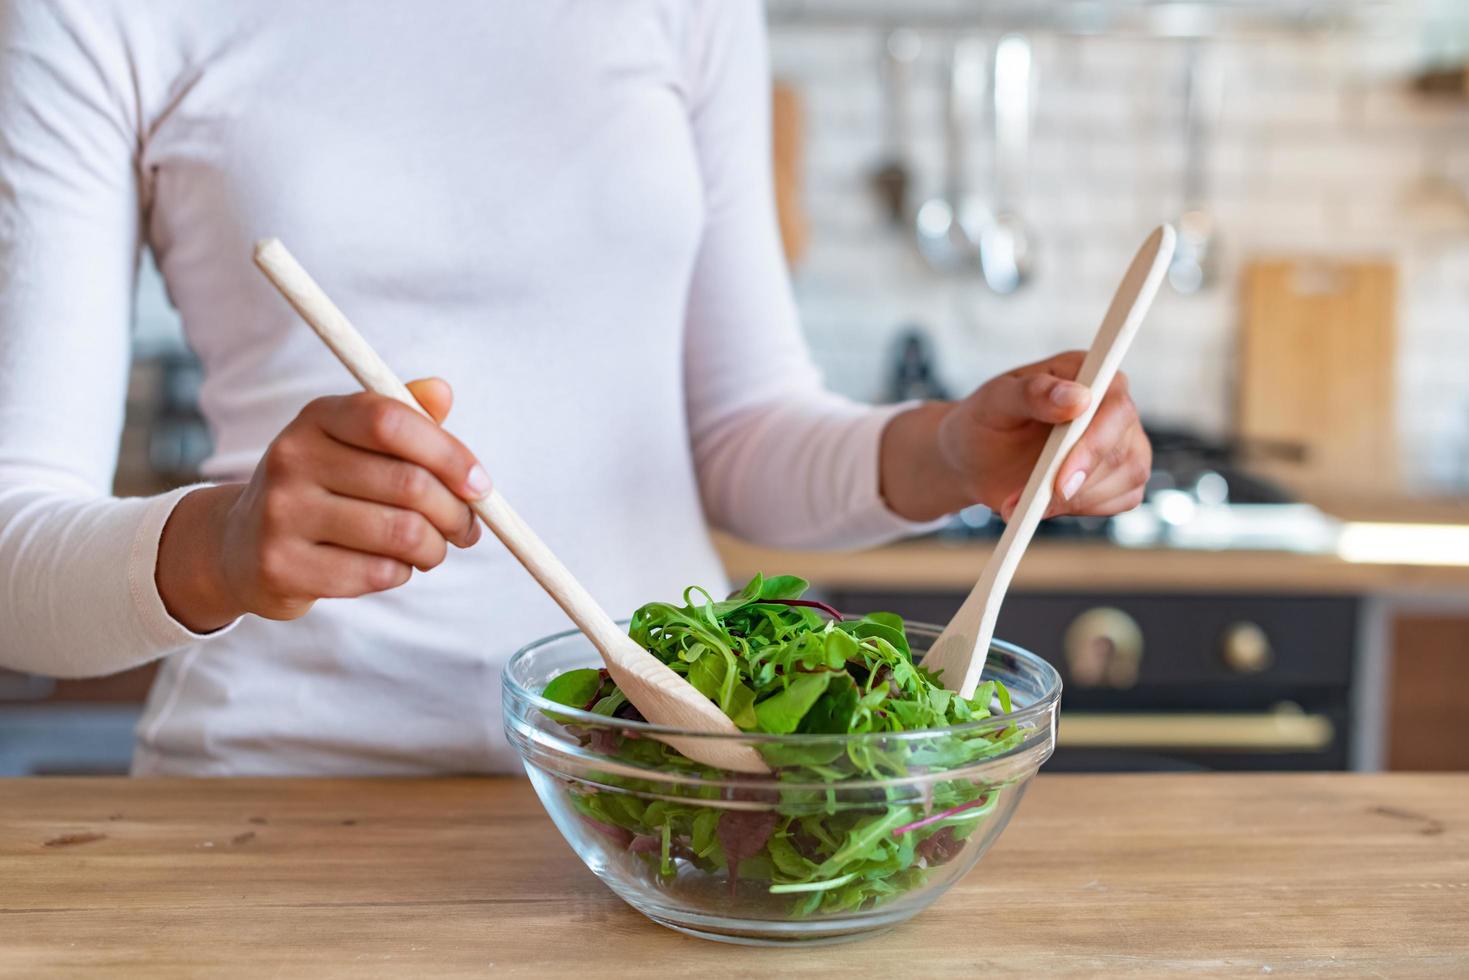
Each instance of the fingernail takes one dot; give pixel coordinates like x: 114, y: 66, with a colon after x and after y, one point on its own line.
x: 1073, y: 483
x: 478, y: 482
x: 1068, y: 393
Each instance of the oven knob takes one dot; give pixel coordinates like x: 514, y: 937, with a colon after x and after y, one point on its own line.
x: 1245, y: 648
x: 1104, y: 648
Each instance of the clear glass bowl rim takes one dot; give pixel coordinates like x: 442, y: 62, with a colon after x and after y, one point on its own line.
x: 1039, y: 709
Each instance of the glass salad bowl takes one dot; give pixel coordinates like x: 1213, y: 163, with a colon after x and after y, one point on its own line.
x: 848, y: 835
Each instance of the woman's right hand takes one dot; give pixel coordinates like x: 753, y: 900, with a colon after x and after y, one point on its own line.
x: 352, y: 496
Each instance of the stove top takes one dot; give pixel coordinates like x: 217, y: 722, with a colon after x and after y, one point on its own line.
x: 1201, y: 495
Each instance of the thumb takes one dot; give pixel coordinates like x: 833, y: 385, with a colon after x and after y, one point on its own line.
x: 1011, y: 400
x: 435, y: 395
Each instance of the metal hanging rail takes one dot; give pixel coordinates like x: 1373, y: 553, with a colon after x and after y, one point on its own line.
x: 1147, y: 18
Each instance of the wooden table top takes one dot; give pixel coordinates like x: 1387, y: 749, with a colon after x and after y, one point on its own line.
x: 1139, y: 875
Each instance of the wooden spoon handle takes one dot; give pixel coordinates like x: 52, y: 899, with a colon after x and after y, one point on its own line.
x: 333, y: 327
x: 962, y: 647
x: 1129, y: 306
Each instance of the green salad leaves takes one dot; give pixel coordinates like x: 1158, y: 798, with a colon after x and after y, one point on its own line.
x: 778, y: 664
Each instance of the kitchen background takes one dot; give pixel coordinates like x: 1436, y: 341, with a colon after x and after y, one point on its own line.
x: 1318, y: 143
x: 1324, y: 147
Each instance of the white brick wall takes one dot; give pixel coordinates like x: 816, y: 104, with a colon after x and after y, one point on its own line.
x: 1318, y: 147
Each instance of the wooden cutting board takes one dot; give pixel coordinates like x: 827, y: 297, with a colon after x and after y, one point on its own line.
x: 1316, y: 369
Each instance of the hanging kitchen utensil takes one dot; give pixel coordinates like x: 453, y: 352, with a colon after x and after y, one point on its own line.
x: 1000, y: 233
x: 786, y: 145
x: 960, y: 651
x: 663, y: 697
x: 939, y: 226
x: 913, y: 377
x: 1194, y: 260
x: 1435, y: 202
x: 893, y: 179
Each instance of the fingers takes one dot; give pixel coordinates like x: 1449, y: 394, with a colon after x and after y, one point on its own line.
x: 349, y: 573
x: 1105, y: 445
x: 350, y: 498
x: 1012, y: 400
x: 384, y: 426
x: 376, y: 529
x: 1109, y: 506
x: 373, y: 477
x: 1111, y: 492
x: 324, y: 571
x: 1108, y: 470
x: 1066, y: 364
x: 435, y: 395
x: 1007, y: 508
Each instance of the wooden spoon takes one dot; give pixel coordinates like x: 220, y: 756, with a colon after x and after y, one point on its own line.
x: 663, y: 697
x: 960, y: 651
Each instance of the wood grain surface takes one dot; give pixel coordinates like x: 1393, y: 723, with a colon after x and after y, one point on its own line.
x: 1317, y: 341
x: 1428, y: 692
x: 1053, y: 566
x: 1220, y: 875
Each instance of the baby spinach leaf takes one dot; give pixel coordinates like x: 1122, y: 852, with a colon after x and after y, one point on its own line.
x: 575, y: 688
x: 780, y: 587
x: 840, y: 647
x: 887, y: 626
x: 781, y: 714
x: 831, y: 714
x: 741, y: 709
x: 707, y: 674
x: 781, y: 756
x: 742, y: 834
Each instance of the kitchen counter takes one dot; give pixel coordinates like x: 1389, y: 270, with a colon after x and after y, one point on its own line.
x: 1395, y: 508
x: 1212, y: 874
x: 1052, y: 565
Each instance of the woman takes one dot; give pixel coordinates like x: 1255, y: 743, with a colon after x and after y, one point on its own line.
x: 564, y: 209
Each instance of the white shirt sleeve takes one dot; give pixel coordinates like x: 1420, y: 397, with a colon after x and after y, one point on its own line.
x: 77, y: 592
x: 780, y: 460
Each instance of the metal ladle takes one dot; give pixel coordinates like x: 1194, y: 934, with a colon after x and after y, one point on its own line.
x: 1193, y: 266
x: 1000, y: 233
x: 939, y: 226
x: 893, y: 178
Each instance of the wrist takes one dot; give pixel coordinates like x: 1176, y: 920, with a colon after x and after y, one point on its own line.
x: 917, y: 480
x: 190, y: 573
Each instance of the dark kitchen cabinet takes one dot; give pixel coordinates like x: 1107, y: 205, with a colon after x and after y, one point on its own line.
x: 1180, y: 681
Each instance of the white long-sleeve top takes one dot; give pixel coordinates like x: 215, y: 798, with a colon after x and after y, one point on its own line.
x: 562, y: 207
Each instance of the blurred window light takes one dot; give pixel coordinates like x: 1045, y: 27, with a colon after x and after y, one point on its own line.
x: 1404, y: 544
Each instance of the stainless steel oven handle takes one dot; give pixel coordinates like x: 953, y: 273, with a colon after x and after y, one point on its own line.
x: 1266, y: 731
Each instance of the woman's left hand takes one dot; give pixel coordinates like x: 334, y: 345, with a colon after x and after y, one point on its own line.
x: 944, y: 456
